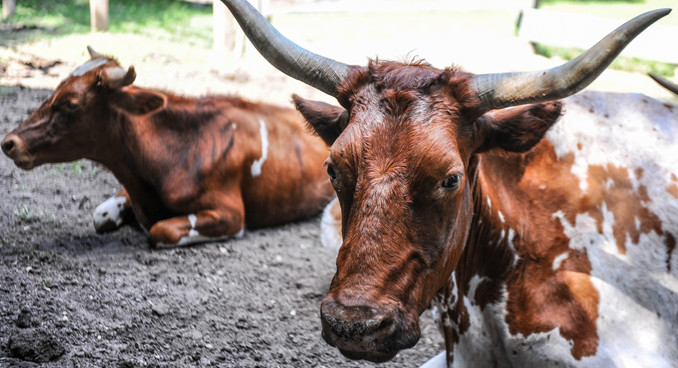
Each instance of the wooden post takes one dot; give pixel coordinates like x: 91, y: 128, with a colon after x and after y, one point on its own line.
x: 223, y: 28
x: 98, y: 12
x: 8, y: 8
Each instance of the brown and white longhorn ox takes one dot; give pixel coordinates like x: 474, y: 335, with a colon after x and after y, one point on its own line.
x: 193, y: 170
x: 542, y: 245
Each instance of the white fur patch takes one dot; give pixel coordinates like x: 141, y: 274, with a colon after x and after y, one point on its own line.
x: 257, y: 164
x: 109, y: 211
x: 559, y: 260
x: 330, y: 228
x: 627, y: 130
x: 501, y: 216
x: 192, y: 219
x: 473, y: 287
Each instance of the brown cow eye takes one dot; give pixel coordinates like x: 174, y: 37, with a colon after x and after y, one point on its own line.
x: 331, y: 173
x: 452, y: 182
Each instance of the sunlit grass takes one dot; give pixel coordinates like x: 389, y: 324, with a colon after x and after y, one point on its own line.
x: 171, y: 19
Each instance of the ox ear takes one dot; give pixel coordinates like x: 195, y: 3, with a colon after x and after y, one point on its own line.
x: 515, y: 129
x: 140, y: 102
x: 325, y: 120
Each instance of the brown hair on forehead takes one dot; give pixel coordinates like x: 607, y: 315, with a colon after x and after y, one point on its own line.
x: 414, y: 76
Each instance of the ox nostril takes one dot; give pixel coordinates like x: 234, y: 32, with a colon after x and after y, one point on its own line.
x: 352, y: 323
x: 8, y: 145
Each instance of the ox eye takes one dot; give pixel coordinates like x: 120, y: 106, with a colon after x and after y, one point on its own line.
x: 452, y: 182
x: 331, y: 173
x: 68, y: 105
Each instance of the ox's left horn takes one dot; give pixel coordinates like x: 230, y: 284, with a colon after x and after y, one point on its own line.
x: 116, y: 77
x: 317, y: 71
x: 93, y: 54
x: 673, y: 87
x: 510, y: 89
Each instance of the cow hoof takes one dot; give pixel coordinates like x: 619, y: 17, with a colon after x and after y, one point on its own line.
x: 109, y: 215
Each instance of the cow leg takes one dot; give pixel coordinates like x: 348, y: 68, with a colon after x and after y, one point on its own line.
x: 113, y: 213
x: 208, y: 225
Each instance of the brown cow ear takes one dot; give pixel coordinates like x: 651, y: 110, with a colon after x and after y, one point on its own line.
x: 516, y: 129
x: 325, y: 120
x: 140, y: 102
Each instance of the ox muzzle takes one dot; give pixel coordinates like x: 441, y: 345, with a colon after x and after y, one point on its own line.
x: 369, y: 332
x: 16, y: 149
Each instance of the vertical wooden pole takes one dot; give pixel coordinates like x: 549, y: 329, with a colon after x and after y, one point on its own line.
x: 223, y: 28
x: 8, y: 8
x: 98, y: 12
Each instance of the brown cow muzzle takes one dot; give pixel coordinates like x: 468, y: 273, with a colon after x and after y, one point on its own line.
x: 374, y: 333
x: 15, y: 148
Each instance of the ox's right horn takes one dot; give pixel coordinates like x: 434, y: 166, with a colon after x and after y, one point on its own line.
x: 116, y: 77
x: 510, y: 89
x: 315, y: 70
x: 673, y: 87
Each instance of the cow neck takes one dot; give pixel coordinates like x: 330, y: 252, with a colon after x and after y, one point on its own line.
x: 490, y: 253
x: 132, y: 159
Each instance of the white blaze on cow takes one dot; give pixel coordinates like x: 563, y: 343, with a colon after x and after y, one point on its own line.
x: 257, y: 164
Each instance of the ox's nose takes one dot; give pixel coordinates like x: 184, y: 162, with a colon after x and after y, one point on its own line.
x: 9, y: 144
x: 351, y: 324
x: 365, y: 332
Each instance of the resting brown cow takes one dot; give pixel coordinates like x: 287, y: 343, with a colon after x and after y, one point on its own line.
x: 545, y: 236
x: 192, y: 169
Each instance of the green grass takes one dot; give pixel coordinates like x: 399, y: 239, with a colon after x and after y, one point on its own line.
x: 628, y: 64
x: 62, y: 17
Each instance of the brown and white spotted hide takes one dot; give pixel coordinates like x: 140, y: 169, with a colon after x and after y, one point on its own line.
x: 193, y: 169
x: 551, y: 252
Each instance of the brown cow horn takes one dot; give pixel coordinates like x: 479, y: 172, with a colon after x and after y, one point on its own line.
x: 673, y: 87
x: 93, y: 54
x: 116, y: 77
x: 315, y: 70
x: 510, y: 89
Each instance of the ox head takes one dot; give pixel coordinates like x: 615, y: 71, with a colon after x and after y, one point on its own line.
x: 403, y: 147
x: 65, y: 127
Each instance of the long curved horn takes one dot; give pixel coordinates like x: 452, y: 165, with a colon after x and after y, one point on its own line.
x: 511, y: 89
x: 315, y: 70
x: 673, y: 87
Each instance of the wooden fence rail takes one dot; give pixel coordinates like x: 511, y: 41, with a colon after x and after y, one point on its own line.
x: 8, y: 8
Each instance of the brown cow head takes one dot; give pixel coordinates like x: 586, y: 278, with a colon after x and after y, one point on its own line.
x: 70, y: 123
x: 400, y: 166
